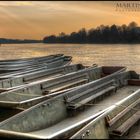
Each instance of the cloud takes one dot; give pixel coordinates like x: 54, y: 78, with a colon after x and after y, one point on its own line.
x: 58, y: 6
x: 16, y: 3
x: 35, y: 18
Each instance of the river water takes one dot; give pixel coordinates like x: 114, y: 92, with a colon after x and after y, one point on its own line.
x: 87, y: 54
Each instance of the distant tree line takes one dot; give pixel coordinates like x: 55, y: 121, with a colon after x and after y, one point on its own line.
x: 13, y: 41
x: 103, y: 34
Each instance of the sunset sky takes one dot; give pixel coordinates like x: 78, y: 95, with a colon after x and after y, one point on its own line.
x: 34, y: 20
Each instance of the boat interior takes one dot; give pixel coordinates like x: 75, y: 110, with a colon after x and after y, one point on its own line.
x: 32, y: 93
x: 67, y: 113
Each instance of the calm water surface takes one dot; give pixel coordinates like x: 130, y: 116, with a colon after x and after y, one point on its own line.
x: 88, y: 54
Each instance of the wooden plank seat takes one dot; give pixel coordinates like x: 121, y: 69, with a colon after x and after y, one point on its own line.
x: 42, y: 77
x: 127, y: 124
x: 119, y: 115
x: 78, y: 100
x: 41, y: 74
x: 129, y: 121
x: 69, y: 85
x: 63, y: 81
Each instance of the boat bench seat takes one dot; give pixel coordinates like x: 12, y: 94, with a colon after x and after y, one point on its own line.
x: 42, y: 78
x: 125, y: 125
x: 91, y: 94
x: 62, y: 81
x: 66, y: 86
x: 41, y: 75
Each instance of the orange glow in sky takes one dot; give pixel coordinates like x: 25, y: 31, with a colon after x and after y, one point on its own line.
x: 36, y: 19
